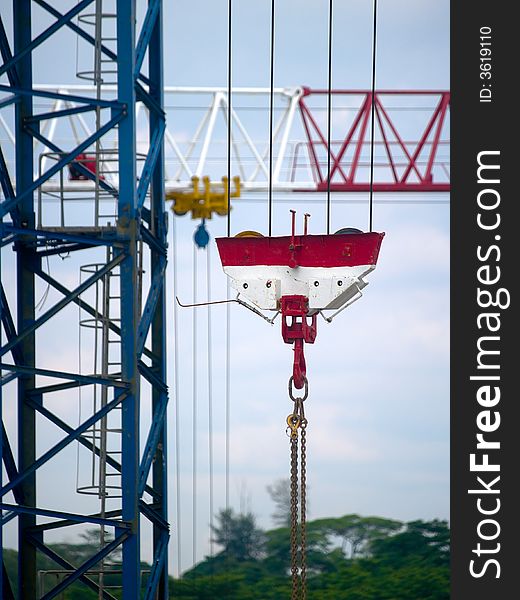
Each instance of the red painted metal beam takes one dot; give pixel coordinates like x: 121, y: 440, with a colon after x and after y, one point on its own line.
x: 407, y: 165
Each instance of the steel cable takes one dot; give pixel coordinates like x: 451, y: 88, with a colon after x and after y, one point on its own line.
x: 271, y: 118
x: 228, y: 314
x: 228, y: 392
x: 176, y: 392
x: 194, y: 408
x: 210, y: 398
x: 329, y: 116
x: 229, y: 92
x: 373, y: 106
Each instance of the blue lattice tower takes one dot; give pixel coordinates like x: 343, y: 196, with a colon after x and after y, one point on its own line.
x: 140, y: 220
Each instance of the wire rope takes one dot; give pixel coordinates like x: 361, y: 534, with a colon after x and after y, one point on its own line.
x: 228, y: 392
x: 43, y: 299
x: 177, y: 409
x: 271, y: 119
x: 210, y: 398
x: 329, y: 115
x: 229, y: 93
x: 194, y: 408
x: 228, y: 313
x: 372, y: 117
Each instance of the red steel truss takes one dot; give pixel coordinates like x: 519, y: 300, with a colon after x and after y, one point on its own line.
x: 400, y: 165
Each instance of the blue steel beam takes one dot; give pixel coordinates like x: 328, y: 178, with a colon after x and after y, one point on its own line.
x: 69, y: 156
x: 62, y: 303
x: 132, y: 215
x: 145, y: 36
x: 150, y: 162
x: 83, y: 441
x: 57, y: 387
x: 146, y: 215
x: 10, y: 465
x: 86, y: 566
x: 6, y: 591
x: 111, y: 514
x: 61, y: 236
x: 150, y: 305
x: 155, y: 244
x: 150, y: 511
x: 147, y: 99
x: 78, y: 378
x: 63, y: 443
x: 26, y: 297
x: 8, y: 101
x: 82, y: 33
x: 160, y: 557
x: 158, y: 584
x: 45, y: 35
x: 9, y: 326
x: 5, y: 586
x: 127, y: 221
x: 75, y: 110
x: 153, y: 378
x: 8, y: 190
x: 84, y: 305
x: 5, y: 52
x: 6, y: 241
x: 8, y: 517
x: 5, y: 180
x: 55, y: 514
x: 8, y: 205
x: 37, y: 93
x: 37, y: 543
x: 150, y: 449
x: 5, y: 379
x: 65, y: 248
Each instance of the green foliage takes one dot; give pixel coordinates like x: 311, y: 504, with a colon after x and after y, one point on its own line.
x: 356, y: 533
x: 75, y: 554
x: 238, y: 535
x: 349, y: 558
x: 427, y: 542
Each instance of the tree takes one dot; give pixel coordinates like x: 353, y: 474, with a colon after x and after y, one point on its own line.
x: 357, y: 533
x: 425, y: 541
x: 280, y: 492
x: 238, y: 535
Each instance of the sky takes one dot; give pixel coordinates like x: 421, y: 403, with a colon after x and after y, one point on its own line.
x: 378, y: 407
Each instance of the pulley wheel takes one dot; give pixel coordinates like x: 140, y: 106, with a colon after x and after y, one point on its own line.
x: 242, y: 234
x: 347, y: 230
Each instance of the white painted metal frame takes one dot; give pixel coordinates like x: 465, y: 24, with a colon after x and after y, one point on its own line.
x: 202, y: 152
x: 196, y: 138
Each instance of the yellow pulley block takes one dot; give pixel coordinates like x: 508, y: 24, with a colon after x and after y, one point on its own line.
x: 202, y: 203
x: 248, y: 233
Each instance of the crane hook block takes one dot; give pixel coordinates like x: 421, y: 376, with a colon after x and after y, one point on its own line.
x: 329, y: 270
x: 202, y: 203
x: 300, y: 276
x: 298, y: 327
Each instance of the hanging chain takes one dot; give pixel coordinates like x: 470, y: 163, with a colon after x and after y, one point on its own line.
x: 297, y: 426
x: 303, y: 508
x: 294, y: 514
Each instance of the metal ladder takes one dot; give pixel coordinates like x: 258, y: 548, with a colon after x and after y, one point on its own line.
x: 102, y: 479
x: 103, y: 72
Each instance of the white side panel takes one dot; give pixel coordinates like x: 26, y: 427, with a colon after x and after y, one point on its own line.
x: 326, y: 288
